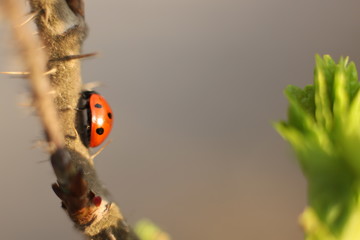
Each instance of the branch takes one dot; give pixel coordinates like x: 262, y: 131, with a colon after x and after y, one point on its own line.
x: 28, y: 48
x: 62, y: 30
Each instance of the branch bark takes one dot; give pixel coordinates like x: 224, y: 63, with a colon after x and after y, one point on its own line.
x: 62, y: 30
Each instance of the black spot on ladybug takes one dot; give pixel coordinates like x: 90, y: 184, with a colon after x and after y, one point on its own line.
x: 98, y: 105
x: 100, y: 131
x: 110, y: 115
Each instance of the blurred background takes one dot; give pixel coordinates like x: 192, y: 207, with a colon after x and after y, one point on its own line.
x: 194, y: 86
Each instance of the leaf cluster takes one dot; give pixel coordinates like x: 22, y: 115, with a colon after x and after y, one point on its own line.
x: 323, y: 127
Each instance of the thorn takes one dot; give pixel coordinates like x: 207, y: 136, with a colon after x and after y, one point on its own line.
x: 27, y: 101
x: 47, y: 147
x: 125, y: 225
x: 26, y: 104
x: 15, y: 73
x: 39, y: 144
x: 67, y: 108
x: 73, y: 57
x: 92, y: 157
x: 30, y: 18
x: 110, y: 236
x: 52, y: 92
x: 51, y: 71
x: 91, y: 85
x: 76, y: 133
x: 43, y: 161
x: 108, y: 206
x: 24, y: 100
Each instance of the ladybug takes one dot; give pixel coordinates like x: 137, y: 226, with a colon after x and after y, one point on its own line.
x: 97, y: 118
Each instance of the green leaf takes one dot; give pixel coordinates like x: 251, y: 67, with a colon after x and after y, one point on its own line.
x: 323, y: 127
x: 147, y: 230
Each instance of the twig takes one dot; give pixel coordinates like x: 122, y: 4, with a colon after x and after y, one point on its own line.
x: 62, y: 29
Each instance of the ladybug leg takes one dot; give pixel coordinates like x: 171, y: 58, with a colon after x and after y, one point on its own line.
x: 84, y: 117
x: 80, y: 108
x: 82, y: 105
x: 84, y: 125
x: 74, y: 136
x: 92, y: 157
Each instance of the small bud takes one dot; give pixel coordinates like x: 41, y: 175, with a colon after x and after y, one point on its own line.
x: 97, y: 201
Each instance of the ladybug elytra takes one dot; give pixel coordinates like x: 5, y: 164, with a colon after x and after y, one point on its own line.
x: 97, y: 118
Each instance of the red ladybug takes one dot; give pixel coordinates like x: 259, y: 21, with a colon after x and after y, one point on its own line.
x: 97, y: 118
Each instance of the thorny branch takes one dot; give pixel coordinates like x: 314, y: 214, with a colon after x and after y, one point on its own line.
x: 28, y: 48
x: 62, y: 30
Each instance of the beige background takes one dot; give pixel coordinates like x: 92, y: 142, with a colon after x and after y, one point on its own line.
x: 194, y: 85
